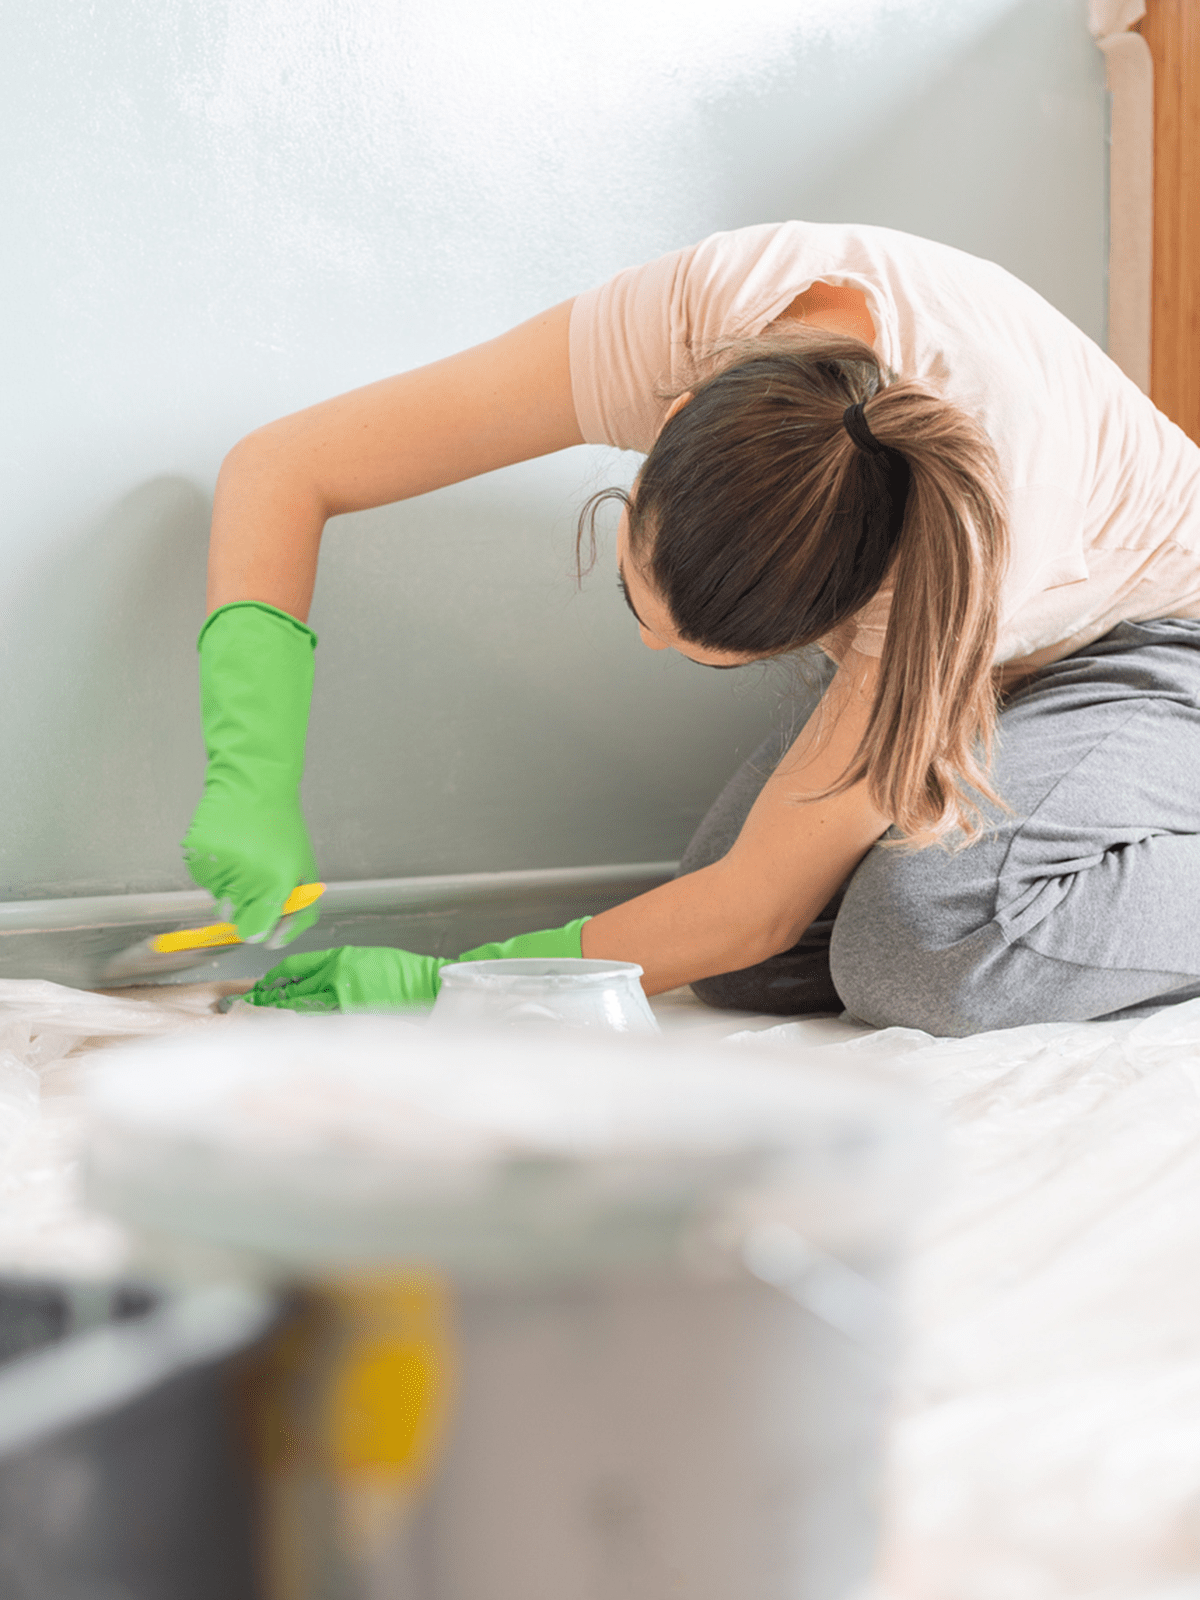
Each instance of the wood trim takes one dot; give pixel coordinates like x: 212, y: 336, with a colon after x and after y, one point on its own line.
x: 1172, y: 30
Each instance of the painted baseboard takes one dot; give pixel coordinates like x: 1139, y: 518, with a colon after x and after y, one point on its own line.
x: 68, y: 940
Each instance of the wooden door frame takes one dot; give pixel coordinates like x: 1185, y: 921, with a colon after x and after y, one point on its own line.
x: 1171, y: 28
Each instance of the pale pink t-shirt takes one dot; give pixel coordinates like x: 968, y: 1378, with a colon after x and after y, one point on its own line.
x: 1103, y: 491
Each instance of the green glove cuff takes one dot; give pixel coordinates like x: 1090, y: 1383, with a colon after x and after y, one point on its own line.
x: 256, y: 680
x: 256, y: 605
x: 549, y: 944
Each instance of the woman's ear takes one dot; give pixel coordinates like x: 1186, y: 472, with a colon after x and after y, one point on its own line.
x: 677, y: 404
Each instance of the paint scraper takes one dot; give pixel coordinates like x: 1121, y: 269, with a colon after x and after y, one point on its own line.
x: 188, y: 947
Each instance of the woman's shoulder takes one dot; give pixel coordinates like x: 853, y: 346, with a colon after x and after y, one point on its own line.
x: 751, y: 265
x: 746, y: 270
x: 634, y: 337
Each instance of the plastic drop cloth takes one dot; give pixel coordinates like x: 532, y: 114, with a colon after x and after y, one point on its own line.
x: 1047, y: 1437
x: 46, y: 1032
x: 1046, y: 1442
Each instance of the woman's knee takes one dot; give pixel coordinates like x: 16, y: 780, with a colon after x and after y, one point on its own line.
x: 915, y: 946
x: 899, y: 984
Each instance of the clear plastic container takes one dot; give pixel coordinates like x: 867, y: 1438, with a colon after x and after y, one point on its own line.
x: 532, y: 992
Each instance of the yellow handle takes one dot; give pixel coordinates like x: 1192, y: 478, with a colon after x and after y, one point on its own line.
x: 222, y: 933
x: 301, y: 898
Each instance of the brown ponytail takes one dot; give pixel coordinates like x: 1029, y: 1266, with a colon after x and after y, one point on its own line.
x: 764, y: 527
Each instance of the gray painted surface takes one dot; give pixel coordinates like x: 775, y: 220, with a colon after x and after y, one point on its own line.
x: 217, y: 213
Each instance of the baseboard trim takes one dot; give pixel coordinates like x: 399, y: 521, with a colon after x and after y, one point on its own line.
x: 371, y: 896
x: 70, y: 939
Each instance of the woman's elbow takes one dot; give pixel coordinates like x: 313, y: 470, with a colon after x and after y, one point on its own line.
x: 268, y: 471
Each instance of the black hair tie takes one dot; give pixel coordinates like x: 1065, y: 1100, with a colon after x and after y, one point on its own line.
x: 881, y: 532
x: 854, y: 420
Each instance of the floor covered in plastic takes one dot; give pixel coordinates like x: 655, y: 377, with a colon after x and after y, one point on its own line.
x: 1046, y: 1438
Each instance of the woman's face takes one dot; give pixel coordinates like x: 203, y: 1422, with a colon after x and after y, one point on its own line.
x: 654, y: 621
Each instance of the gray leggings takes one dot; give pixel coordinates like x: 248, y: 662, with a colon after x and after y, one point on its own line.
x: 1083, y: 902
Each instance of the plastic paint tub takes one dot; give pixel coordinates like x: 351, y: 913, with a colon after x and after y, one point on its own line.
x: 581, y: 1315
x: 530, y: 991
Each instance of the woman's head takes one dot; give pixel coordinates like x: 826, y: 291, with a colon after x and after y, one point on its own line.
x: 657, y: 625
x: 758, y: 520
x: 760, y: 525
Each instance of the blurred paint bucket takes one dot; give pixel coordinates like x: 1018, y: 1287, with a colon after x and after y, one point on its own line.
x: 580, y: 1317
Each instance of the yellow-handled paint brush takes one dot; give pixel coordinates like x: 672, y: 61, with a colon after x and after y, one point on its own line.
x: 188, y: 947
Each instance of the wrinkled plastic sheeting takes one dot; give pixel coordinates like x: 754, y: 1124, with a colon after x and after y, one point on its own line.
x: 41, y: 1023
x: 45, y: 1030
x: 1047, y: 1443
x: 1047, y: 1436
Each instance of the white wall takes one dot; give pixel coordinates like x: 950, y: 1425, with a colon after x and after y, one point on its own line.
x: 217, y: 211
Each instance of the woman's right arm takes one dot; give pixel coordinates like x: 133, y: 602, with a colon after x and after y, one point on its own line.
x: 503, y: 401
x: 497, y: 403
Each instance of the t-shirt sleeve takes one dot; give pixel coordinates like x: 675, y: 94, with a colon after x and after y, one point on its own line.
x: 623, y: 336
x: 634, y: 340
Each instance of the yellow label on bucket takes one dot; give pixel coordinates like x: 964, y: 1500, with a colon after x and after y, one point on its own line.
x: 388, y: 1401
x: 359, y: 1381
x: 347, y: 1407
x: 380, y: 1406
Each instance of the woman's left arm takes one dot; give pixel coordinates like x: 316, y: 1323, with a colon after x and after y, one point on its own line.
x: 791, y: 855
x: 797, y: 847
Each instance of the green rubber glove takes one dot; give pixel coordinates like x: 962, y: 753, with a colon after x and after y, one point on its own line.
x: 248, y: 843
x: 374, y: 978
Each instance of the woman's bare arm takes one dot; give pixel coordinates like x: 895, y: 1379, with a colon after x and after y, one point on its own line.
x: 790, y: 857
x: 500, y: 402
